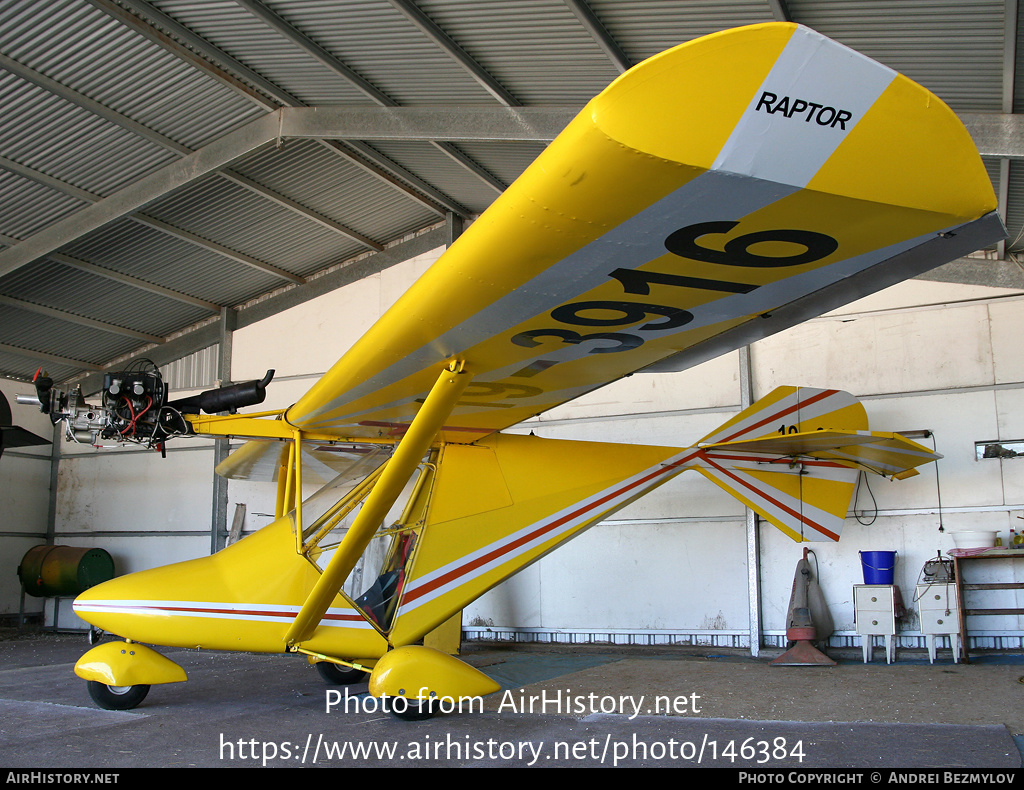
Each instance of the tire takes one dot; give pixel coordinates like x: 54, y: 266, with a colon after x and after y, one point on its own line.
x: 415, y: 710
x: 337, y: 675
x: 116, y: 697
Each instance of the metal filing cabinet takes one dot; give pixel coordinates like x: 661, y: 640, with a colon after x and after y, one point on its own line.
x: 874, y: 608
x: 939, y: 613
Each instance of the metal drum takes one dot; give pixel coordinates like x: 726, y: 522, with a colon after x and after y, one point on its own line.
x: 63, y: 571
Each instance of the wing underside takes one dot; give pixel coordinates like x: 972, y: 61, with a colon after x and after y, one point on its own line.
x: 721, y: 191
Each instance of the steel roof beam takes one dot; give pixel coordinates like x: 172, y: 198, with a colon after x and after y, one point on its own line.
x: 123, y: 121
x: 90, y: 197
x: 208, y: 333
x: 451, y: 124
x: 600, y: 34
x: 208, y: 159
x: 64, y: 315
x: 433, y: 31
x: 314, y: 50
x: 334, y: 64
x: 996, y: 135
x: 216, y: 63
x: 780, y: 10
x: 91, y: 105
x: 380, y: 167
x: 120, y: 277
x: 134, y: 282
x: 298, y: 208
x: 220, y: 249
x: 1009, y: 76
x: 198, y: 53
x: 25, y: 352
x: 157, y: 224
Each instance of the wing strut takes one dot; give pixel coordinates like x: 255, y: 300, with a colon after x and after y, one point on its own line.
x: 410, y: 451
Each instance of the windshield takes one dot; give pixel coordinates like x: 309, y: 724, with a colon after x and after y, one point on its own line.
x: 376, y: 581
x: 325, y: 511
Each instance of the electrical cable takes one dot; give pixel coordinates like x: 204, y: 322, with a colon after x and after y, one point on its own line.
x: 938, y: 487
x: 862, y: 478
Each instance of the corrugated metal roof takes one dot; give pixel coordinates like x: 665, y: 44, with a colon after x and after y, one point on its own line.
x: 100, y: 94
x: 646, y: 27
x: 140, y: 251
x: 953, y: 48
x: 538, y: 51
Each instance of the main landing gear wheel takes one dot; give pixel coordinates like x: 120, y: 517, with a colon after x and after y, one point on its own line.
x: 337, y: 675
x: 116, y: 697
x: 414, y: 710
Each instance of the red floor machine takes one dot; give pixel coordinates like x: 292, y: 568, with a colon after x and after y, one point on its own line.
x: 808, y: 620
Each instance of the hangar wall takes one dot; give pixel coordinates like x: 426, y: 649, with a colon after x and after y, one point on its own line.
x: 24, y: 496
x: 671, y: 568
x: 922, y: 355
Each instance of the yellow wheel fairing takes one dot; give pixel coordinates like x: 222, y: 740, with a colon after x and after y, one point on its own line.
x: 422, y: 673
x: 715, y: 183
x: 124, y: 664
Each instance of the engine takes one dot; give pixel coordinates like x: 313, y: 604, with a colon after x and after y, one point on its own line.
x: 134, y: 406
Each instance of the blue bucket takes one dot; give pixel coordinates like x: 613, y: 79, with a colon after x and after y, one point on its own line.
x: 879, y: 566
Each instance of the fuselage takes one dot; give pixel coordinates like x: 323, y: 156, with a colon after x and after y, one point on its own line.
x: 242, y: 598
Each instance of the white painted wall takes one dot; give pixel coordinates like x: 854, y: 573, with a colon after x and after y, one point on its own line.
x: 24, y: 496
x: 922, y: 355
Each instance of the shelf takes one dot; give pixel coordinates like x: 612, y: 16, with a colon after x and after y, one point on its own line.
x: 964, y: 556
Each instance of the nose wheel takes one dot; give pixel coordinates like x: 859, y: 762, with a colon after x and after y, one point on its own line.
x: 415, y: 710
x: 116, y: 697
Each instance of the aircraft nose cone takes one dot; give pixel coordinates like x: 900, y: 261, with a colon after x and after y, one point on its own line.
x: 107, y: 605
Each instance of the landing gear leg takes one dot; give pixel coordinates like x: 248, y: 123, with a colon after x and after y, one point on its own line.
x: 337, y: 675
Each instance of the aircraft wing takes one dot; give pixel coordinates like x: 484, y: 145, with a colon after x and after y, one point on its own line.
x: 719, y: 192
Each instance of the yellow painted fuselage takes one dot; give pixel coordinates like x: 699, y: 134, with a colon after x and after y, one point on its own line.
x: 493, y: 508
x: 484, y: 511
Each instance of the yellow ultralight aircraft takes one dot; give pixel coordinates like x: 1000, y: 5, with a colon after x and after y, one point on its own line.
x: 719, y: 192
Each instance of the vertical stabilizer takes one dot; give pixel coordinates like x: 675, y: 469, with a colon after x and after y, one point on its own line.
x: 804, y: 496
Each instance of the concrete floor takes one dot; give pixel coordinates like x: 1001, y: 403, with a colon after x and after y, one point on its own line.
x: 559, y: 707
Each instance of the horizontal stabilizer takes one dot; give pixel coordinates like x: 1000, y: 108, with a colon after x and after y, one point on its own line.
x: 886, y: 454
x: 794, y: 457
x: 789, y: 410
